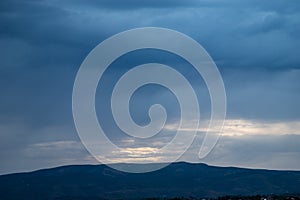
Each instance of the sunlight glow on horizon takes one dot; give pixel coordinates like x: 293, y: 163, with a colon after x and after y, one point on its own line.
x: 244, y: 127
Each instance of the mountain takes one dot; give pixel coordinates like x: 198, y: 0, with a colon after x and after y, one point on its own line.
x: 176, y: 180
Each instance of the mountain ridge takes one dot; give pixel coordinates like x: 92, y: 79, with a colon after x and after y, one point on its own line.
x: 177, y: 179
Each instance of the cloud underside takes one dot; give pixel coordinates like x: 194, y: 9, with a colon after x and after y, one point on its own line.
x: 258, y: 149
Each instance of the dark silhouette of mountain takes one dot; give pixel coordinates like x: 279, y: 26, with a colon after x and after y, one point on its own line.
x: 176, y: 180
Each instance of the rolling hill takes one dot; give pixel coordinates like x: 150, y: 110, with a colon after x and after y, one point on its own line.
x: 177, y: 180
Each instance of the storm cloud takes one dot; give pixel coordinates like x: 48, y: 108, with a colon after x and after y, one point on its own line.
x: 255, y: 45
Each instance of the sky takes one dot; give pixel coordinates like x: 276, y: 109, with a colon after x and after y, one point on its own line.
x: 255, y: 45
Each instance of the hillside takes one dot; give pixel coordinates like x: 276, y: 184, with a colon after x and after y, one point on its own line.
x: 178, y: 179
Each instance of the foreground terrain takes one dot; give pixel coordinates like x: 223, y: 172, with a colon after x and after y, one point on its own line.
x: 177, y: 180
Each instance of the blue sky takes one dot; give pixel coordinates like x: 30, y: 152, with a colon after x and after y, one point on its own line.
x: 255, y: 45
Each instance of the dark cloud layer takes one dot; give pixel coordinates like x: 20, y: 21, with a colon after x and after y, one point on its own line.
x: 254, y: 43
x: 267, y: 32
